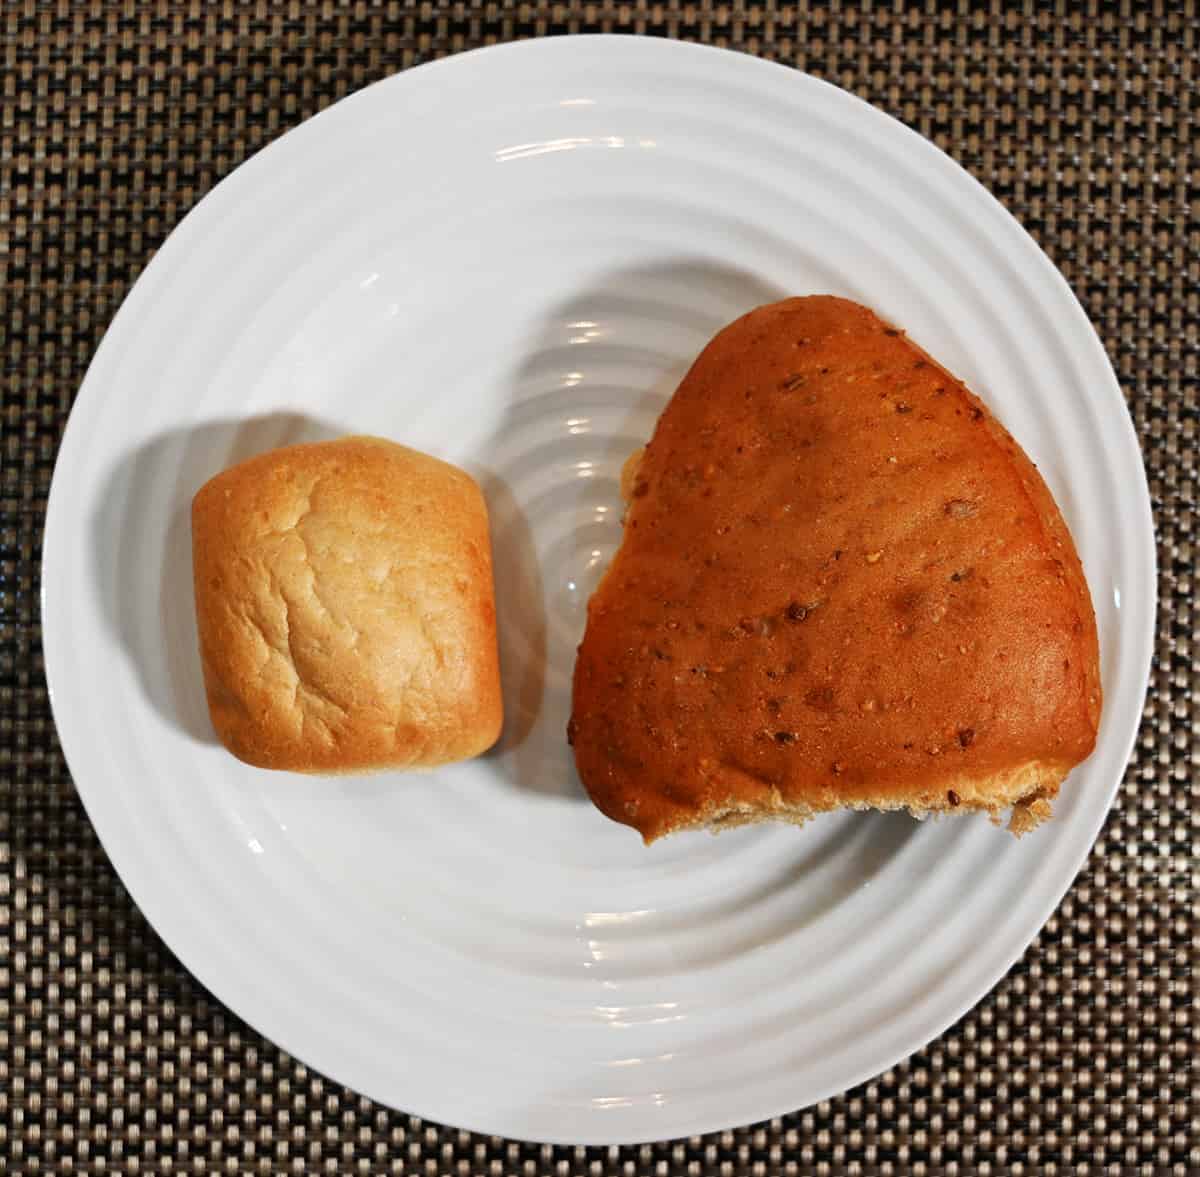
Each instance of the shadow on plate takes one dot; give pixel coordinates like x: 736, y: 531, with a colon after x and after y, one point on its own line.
x: 834, y: 857
x: 593, y: 378
x: 142, y: 551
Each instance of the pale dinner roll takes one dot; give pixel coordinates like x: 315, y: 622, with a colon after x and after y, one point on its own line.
x: 345, y: 609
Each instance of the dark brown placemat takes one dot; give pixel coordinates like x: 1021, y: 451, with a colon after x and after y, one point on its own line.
x: 116, y: 117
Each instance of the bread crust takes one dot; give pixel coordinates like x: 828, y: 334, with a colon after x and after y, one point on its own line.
x: 345, y: 609
x: 841, y: 584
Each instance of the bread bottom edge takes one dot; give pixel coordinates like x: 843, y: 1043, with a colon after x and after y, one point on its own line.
x: 1027, y: 801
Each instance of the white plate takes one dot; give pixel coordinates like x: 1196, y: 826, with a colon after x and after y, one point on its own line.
x: 508, y: 259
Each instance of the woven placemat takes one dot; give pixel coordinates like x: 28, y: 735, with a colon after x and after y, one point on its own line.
x: 116, y: 117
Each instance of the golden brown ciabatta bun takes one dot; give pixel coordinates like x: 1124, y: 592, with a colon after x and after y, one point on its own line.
x: 842, y: 584
x: 345, y: 608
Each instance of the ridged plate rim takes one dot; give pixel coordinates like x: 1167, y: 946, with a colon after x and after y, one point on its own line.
x: 92, y: 770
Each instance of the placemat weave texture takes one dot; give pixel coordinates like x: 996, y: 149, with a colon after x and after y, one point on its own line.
x: 115, y: 118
